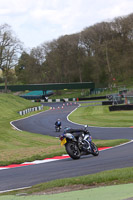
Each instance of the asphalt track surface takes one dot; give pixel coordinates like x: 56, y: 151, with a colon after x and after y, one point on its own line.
x: 43, y: 123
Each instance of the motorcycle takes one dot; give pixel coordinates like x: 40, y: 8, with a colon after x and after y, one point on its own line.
x: 57, y: 128
x: 77, y: 144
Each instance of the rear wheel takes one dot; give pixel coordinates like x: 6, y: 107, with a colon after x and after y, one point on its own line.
x: 94, y: 149
x: 72, y: 150
x: 57, y: 129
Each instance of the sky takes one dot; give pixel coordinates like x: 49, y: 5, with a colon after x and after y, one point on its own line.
x: 37, y: 21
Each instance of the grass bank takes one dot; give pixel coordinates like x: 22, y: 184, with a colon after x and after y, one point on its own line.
x: 101, y: 116
x: 15, y: 146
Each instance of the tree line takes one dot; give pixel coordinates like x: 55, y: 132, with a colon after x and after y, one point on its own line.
x: 102, y: 53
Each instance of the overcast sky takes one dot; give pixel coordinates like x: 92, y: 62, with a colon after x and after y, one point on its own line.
x: 38, y: 21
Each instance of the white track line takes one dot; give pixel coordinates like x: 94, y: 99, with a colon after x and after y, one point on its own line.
x: 15, y: 189
x: 24, y: 118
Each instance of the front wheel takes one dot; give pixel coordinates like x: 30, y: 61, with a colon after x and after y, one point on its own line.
x: 72, y: 150
x: 94, y: 149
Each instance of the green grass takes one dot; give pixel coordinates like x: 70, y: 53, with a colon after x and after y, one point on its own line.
x: 102, y: 117
x: 112, y: 177
x: 91, y: 103
x: 109, y: 143
x: 15, y: 146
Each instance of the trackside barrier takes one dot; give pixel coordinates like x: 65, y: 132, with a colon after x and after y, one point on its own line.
x: 50, y: 100
x: 57, y: 100
x: 24, y: 112
x: 66, y: 99
x: 70, y: 99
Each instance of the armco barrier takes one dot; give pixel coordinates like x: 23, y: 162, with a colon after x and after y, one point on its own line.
x: 107, y: 103
x: 28, y: 110
x: 92, y: 98
x: 112, y: 102
x: 121, y: 107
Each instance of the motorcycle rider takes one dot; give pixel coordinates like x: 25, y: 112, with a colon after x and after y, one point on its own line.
x: 79, y: 134
x: 58, y: 123
x: 76, y: 132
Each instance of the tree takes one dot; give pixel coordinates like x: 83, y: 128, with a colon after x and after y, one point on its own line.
x: 10, y: 48
x: 100, y: 53
x: 64, y: 58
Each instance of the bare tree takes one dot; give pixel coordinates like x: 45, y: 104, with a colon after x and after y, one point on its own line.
x: 10, y: 48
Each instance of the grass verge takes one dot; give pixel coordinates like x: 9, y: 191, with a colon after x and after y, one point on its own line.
x: 100, y: 116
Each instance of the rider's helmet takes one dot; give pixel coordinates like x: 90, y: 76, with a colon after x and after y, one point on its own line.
x: 66, y: 129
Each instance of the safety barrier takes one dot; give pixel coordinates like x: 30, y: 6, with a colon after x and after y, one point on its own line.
x: 28, y: 110
x: 56, y: 100
x: 121, y: 107
x: 70, y: 99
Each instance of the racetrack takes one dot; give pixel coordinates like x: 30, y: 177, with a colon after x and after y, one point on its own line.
x: 43, y: 123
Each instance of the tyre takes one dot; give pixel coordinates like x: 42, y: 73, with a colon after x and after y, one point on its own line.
x: 57, y: 129
x: 94, y: 149
x: 72, y: 150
